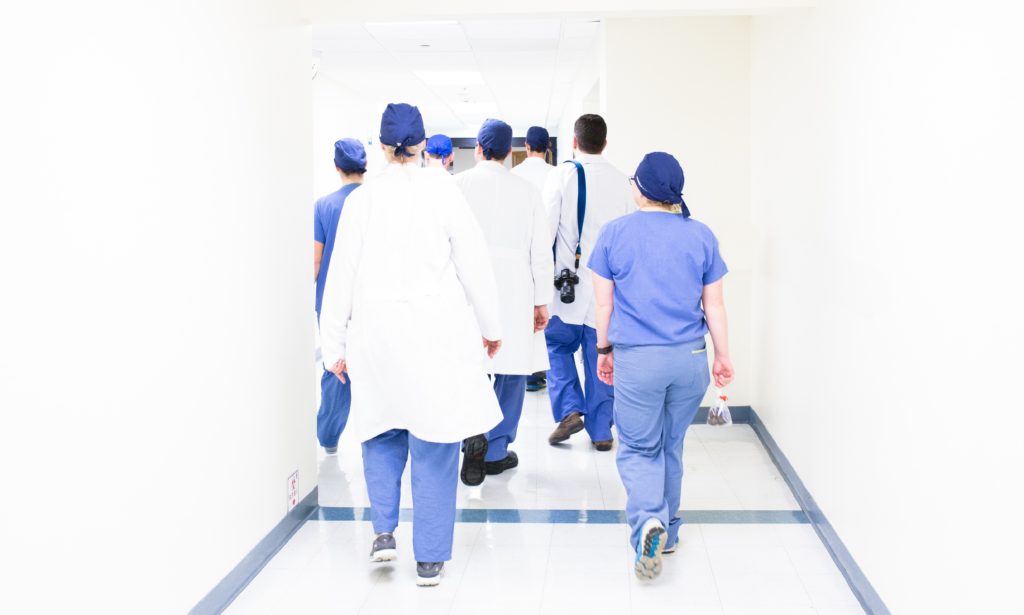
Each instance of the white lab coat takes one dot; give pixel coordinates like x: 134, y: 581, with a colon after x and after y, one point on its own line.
x: 409, y: 270
x: 608, y: 197
x: 535, y: 171
x: 512, y: 217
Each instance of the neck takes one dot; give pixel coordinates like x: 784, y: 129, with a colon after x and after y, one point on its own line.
x: 537, y: 155
x: 672, y: 209
x: 351, y: 180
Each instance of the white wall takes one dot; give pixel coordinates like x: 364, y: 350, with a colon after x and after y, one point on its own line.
x: 682, y: 85
x: 886, y: 184
x: 156, y: 387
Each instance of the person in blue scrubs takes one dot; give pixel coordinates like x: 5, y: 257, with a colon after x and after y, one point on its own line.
x: 440, y: 153
x: 335, y: 396
x: 658, y: 285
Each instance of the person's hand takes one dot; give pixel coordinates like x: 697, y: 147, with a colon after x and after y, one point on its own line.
x: 340, y: 369
x: 492, y: 347
x: 540, y: 318
x: 722, y: 371
x: 606, y: 368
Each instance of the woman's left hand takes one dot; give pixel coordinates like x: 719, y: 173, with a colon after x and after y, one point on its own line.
x: 340, y: 369
x: 606, y: 368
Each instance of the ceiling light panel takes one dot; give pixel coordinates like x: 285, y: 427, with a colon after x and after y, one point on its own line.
x: 437, y: 60
x: 416, y: 36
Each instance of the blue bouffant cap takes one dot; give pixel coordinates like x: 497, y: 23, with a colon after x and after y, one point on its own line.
x: 495, y: 138
x: 401, y: 126
x: 660, y: 178
x: 538, y: 139
x: 350, y: 156
x: 439, y: 145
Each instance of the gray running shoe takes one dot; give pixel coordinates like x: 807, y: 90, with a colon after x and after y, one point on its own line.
x: 383, y: 549
x: 331, y: 450
x: 428, y: 574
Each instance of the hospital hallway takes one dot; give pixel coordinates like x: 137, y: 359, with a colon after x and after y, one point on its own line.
x: 550, y: 537
x: 208, y: 207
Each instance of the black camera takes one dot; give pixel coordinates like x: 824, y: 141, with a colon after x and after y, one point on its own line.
x: 566, y: 282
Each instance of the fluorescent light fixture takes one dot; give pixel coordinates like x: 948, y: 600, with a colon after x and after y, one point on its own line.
x: 450, y: 77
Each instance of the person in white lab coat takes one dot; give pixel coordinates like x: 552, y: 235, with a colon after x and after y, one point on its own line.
x: 512, y: 216
x: 606, y: 196
x: 408, y: 255
x: 535, y: 169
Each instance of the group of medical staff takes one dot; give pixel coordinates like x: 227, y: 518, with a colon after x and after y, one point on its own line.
x: 489, y: 278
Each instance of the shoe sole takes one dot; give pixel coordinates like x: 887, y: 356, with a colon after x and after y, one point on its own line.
x: 648, y: 565
x: 383, y: 555
x: 473, y: 464
x: 575, y: 430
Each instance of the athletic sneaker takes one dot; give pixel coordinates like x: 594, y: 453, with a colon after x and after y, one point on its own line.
x: 331, y: 450
x: 428, y: 574
x: 383, y: 549
x: 474, y: 470
x: 648, y: 551
x: 670, y: 550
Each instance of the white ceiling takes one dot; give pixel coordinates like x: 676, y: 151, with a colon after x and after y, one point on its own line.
x: 461, y: 72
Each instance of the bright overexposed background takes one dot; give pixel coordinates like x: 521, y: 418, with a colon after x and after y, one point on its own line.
x: 857, y: 159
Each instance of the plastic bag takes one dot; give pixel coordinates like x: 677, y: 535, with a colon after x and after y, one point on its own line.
x: 719, y: 413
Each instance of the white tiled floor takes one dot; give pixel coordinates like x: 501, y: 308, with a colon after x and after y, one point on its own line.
x: 532, y: 568
x: 725, y: 469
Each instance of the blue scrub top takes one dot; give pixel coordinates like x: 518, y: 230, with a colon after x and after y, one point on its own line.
x: 660, y: 263
x: 326, y: 213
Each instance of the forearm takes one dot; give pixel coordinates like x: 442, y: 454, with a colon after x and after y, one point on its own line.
x: 603, y: 316
x: 718, y: 326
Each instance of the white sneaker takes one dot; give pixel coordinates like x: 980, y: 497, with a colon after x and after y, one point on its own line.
x: 649, y: 550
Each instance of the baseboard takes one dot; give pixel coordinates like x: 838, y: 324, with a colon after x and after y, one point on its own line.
x: 869, y: 599
x: 241, y: 575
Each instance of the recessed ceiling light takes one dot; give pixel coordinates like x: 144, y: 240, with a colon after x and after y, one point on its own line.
x: 424, y: 44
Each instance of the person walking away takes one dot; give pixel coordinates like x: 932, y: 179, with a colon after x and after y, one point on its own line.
x: 411, y: 271
x: 335, y: 396
x: 658, y: 285
x: 535, y: 169
x: 440, y: 153
x: 590, y: 186
x: 512, y: 217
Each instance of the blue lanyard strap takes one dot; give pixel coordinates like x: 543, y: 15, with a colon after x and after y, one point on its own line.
x: 581, y: 206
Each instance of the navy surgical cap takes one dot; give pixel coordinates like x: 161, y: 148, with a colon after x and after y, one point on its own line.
x: 660, y: 178
x: 495, y: 138
x: 439, y: 145
x: 401, y: 126
x: 350, y: 156
x: 537, y: 138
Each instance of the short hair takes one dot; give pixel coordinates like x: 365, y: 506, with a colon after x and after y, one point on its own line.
x: 591, y: 133
x: 359, y: 172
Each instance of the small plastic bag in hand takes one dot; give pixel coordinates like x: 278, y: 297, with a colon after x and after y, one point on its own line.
x: 719, y: 413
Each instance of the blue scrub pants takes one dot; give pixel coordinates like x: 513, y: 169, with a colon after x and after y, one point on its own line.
x: 435, y: 475
x: 657, y: 392
x: 511, y: 391
x: 335, y: 402
x: 594, y: 399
